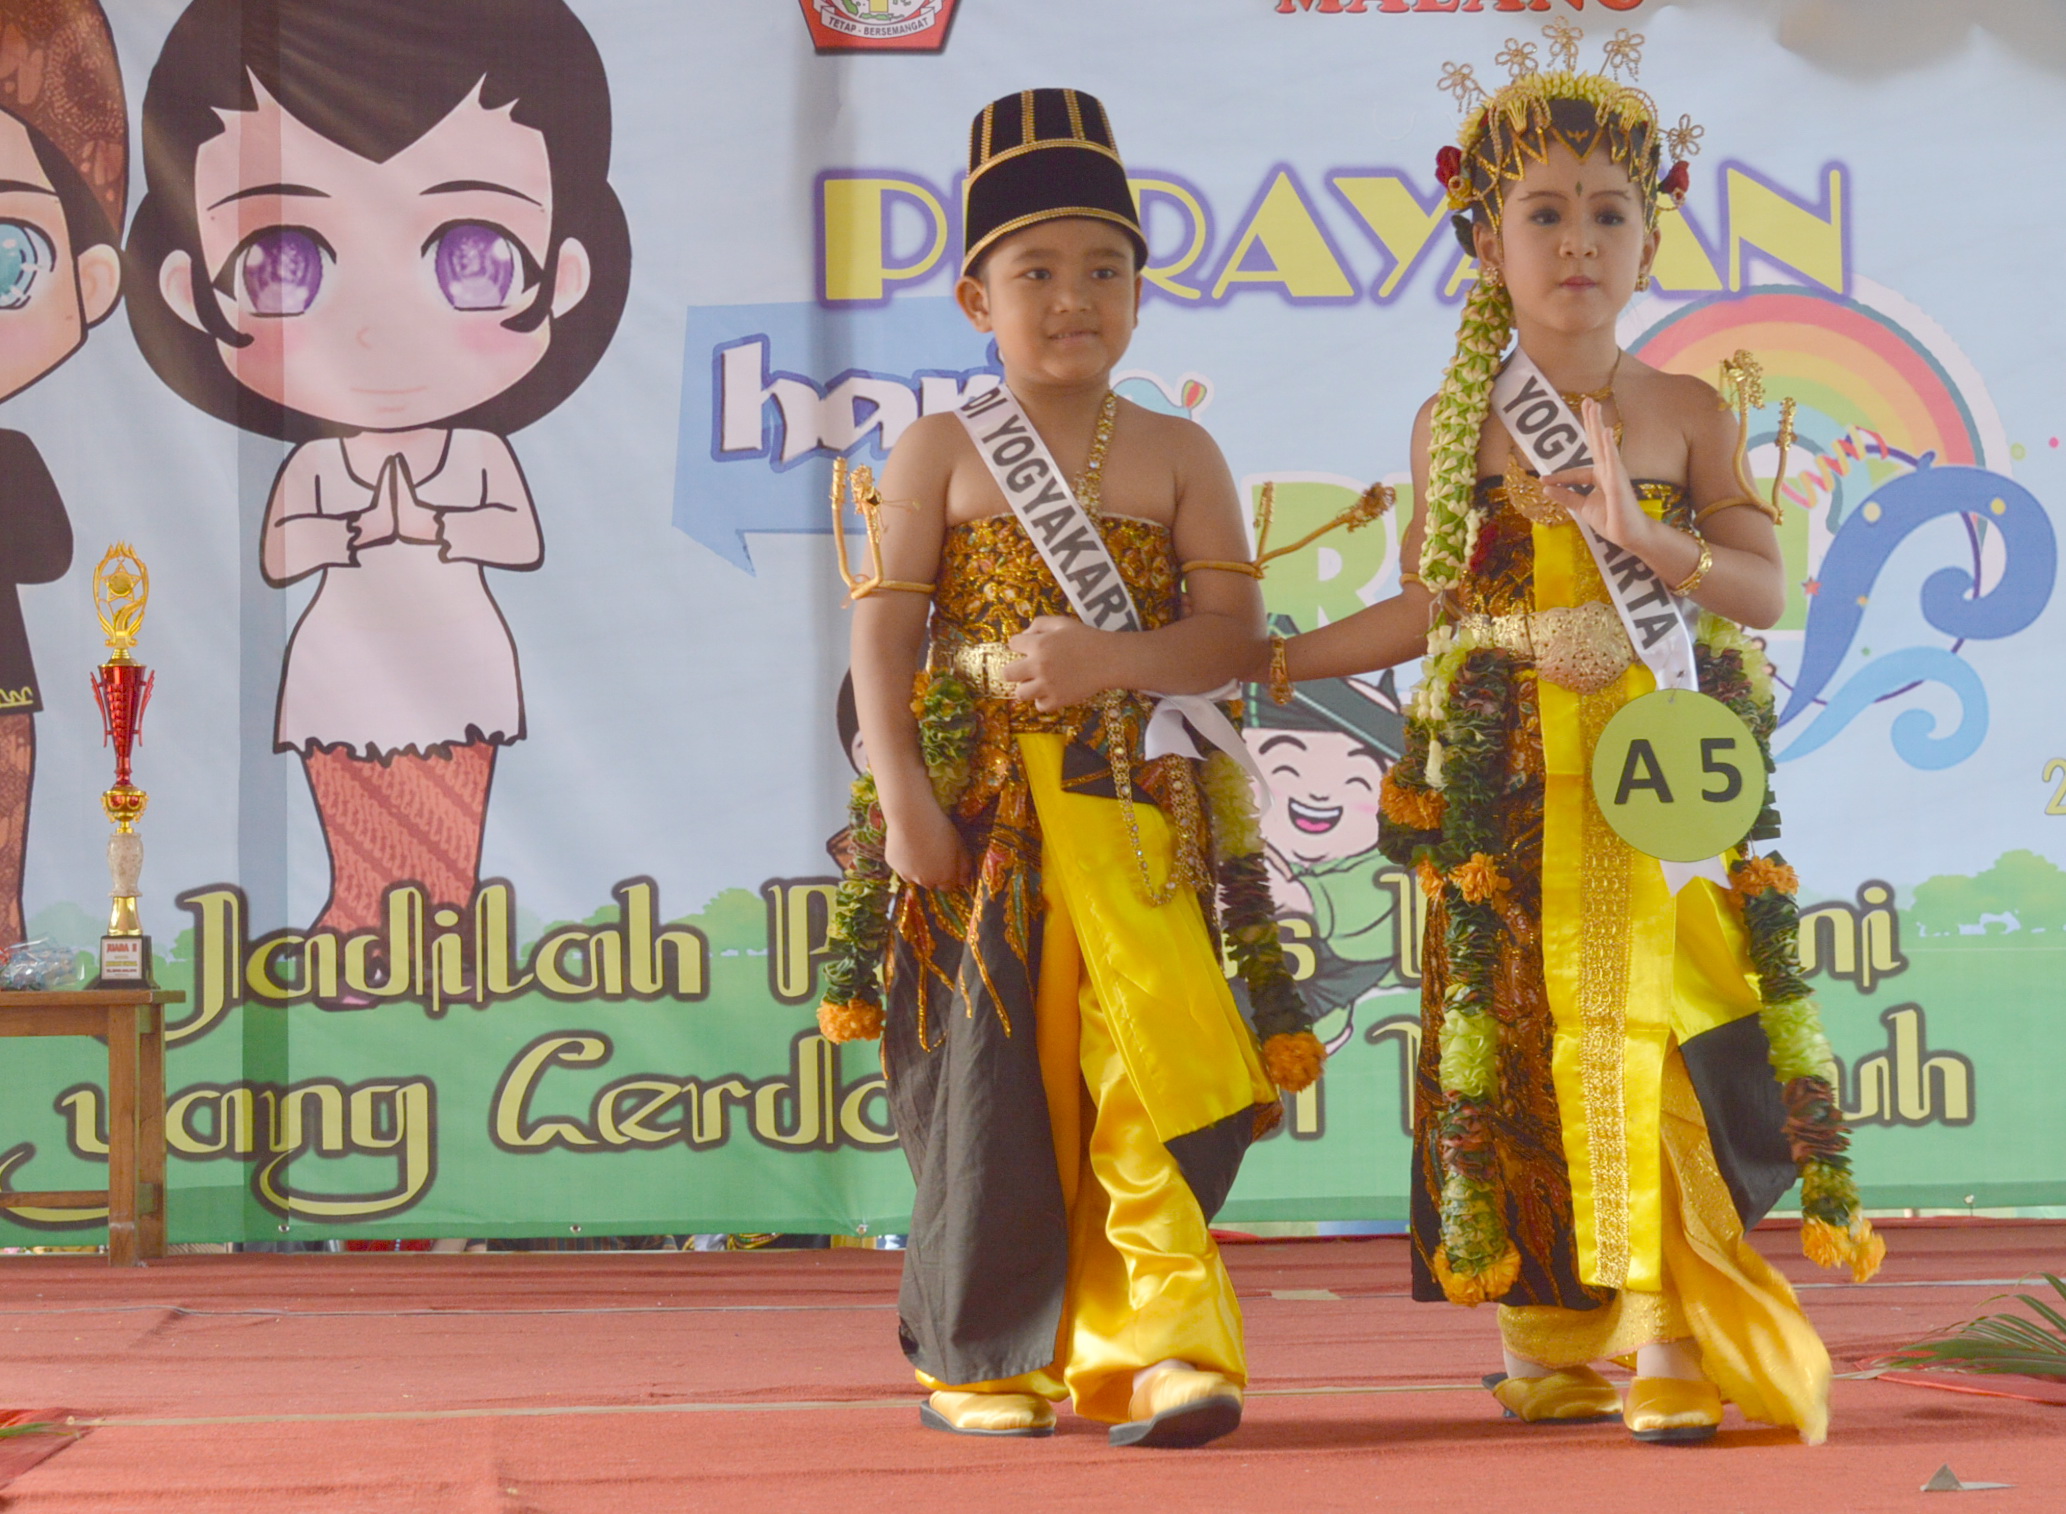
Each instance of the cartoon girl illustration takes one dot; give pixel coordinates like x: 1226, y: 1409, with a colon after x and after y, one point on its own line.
x: 384, y: 230
x: 64, y: 174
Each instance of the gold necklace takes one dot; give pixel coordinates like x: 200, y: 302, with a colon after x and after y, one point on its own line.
x: 1602, y: 396
x: 1090, y: 483
x: 1524, y: 489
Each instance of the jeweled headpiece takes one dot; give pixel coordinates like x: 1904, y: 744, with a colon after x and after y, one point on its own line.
x: 1536, y: 108
x: 1040, y: 155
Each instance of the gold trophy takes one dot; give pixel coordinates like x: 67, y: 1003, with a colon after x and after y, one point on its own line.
x: 122, y: 685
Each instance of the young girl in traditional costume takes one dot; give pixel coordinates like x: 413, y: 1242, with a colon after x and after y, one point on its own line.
x: 1070, y: 1076
x: 1621, y: 1068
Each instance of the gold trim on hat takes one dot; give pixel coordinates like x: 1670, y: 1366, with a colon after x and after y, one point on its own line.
x: 1081, y: 212
x: 1075, y: 115
x: 1044, y: 145
x: 989, y: 125
x: 1028, y: 132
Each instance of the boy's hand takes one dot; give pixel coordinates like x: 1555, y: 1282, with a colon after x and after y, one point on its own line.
x: 924, y: 849
x: 1059, y: 663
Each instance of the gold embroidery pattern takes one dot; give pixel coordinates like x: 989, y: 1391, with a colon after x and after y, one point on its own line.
x: 1604, y: 946
x: 992, y: 585
x: 1603, y: 1010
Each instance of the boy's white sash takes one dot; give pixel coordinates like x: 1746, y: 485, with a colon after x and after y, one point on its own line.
x: 1074, y: 550
x: 1552, y: 439
x: 1060, y: 528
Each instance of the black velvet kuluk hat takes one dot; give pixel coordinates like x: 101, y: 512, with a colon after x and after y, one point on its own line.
x: 1040, y: 155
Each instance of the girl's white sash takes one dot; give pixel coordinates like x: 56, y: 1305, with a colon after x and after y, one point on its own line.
x: 1552, y: 439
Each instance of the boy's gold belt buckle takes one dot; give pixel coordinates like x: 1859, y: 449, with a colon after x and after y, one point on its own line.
x: 981, y: 665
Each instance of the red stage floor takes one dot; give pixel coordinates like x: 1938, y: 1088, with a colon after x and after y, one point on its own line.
x: 583, y: 1383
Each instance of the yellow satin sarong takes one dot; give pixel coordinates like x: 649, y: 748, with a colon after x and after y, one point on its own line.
x: 1632, y: 972
x: 1140, y: 1041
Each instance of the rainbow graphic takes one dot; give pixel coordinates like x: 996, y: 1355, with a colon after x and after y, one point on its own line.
x: 1893, y: 430
x: 1846, y: 363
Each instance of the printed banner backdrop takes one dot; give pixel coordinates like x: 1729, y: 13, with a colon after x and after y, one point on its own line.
x: 497, y: 884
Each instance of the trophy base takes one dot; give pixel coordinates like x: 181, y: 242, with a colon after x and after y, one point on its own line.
x: 125, y: 962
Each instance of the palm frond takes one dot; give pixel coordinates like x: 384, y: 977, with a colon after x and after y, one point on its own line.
x: 2000, y: 1342
x: 11, y: 1430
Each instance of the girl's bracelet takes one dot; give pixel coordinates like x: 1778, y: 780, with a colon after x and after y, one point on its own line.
x: 1280, y: 674
x: 1700, y: 569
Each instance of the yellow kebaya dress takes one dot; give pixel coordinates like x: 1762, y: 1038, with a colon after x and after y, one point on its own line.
x: 1071, y: 1078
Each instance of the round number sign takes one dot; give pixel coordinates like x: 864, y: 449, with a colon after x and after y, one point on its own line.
x: 1678, y: 775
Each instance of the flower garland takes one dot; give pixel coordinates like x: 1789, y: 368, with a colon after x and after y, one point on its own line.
x: 852, y: 1006
x: 1438, y: 813
x: 1437, y: 810
x: 1292, y: 1054
x: 946, y: 710
x: 1454, y: 425
x: 1834, y: 1230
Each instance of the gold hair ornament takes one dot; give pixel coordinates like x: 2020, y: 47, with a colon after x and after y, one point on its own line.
x: 1503, y: 132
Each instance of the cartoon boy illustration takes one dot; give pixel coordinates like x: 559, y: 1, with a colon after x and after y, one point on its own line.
x: 64, y: 174
x: 1325, y: 755
x: 384, y: 230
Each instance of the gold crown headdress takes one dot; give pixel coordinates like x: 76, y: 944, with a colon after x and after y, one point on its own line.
x: 1505, y: 130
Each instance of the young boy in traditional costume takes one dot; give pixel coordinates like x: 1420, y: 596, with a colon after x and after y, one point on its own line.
x: 1622, y: 1070
x: 1069, y: 1073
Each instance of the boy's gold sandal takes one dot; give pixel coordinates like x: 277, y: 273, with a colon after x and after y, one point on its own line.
x: 988, y: 1414
x: 1574, y: 1395
x: 1178, y: 1406
x: 1672, y: 1411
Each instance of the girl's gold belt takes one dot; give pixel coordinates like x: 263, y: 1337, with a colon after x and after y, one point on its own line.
x: 1582, y: 648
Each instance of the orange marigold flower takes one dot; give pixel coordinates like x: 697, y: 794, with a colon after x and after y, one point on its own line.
x: 855, y: 1020
x: 1861, y: 1248
x: 1293, y: 1060
x: 1430, y: 879
x: 1471, y: 1289
x: 1415, y: 808
x: 1479, y: 879
x: 1754, y: 875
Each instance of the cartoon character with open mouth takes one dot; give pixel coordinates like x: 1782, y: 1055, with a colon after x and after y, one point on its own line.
x: 1325, y: 755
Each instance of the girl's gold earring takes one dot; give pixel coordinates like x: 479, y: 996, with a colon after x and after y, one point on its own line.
x: 1642, y: 282
x: 1492, y: 278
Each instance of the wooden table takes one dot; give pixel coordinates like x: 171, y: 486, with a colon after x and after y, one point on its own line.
x: 133, y: 1023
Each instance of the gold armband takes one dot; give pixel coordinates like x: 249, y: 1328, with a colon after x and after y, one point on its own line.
x: 1763, y: 507
x: 1412, y: 578
x: 865, y: 588
x: 1250, y: 569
